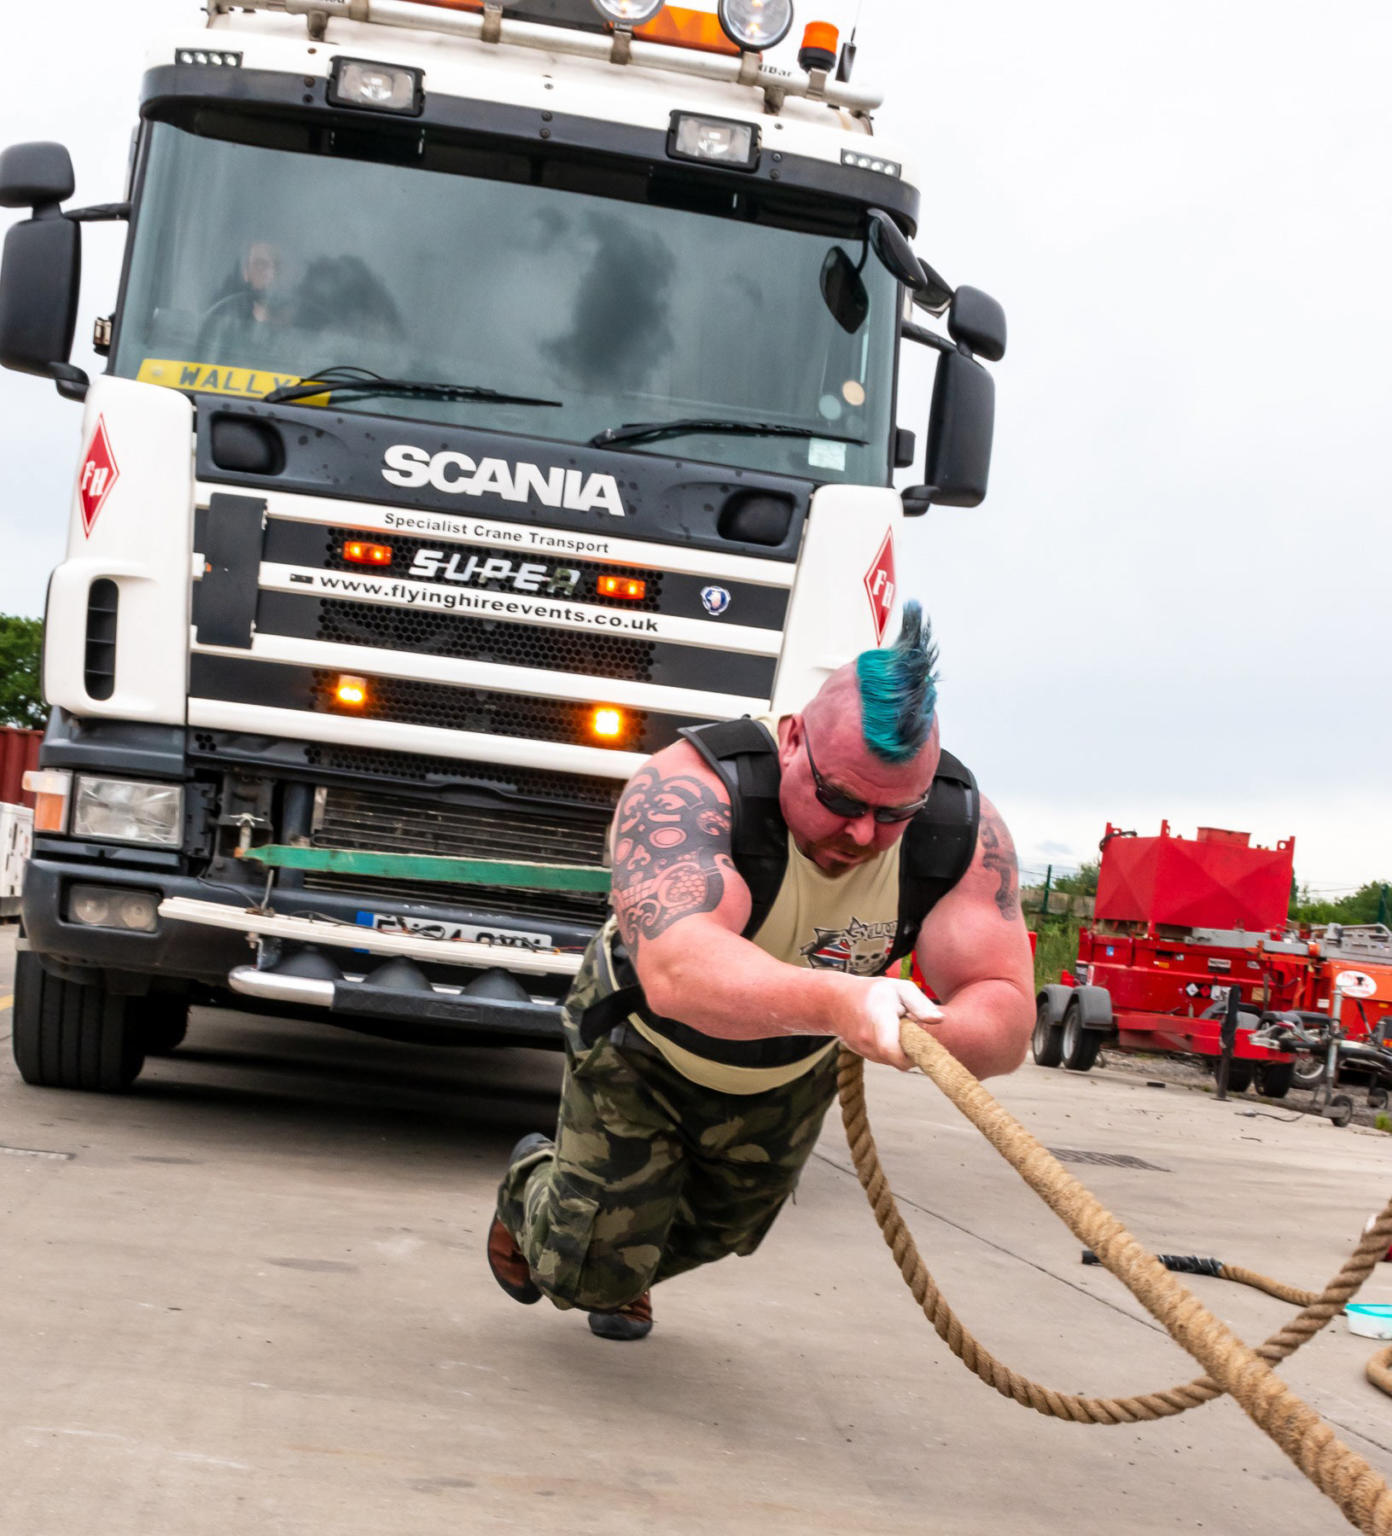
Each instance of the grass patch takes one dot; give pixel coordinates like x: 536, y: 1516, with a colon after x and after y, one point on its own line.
x: 1057, y: 949
x: 1383, y: 1122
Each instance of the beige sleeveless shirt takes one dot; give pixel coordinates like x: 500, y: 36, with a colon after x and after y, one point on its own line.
x: 817, y: 921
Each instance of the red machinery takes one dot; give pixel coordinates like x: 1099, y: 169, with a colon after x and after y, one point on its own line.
x: 1178, y: 924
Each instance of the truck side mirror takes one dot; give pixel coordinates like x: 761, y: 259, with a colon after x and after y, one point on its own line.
x: 977, y: 321
x: 41, y: 271
x: 35, y: 175
x: 961, y: 427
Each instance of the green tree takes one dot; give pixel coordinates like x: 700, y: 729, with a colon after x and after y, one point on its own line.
x: 1081, y: 883
x: 1365, y: 905
x: 21, y: 695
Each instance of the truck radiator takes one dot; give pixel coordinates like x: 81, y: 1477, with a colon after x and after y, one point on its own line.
x: 384, y: 822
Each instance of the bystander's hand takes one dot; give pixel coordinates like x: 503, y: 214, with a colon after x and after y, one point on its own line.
x: 875, y: 1012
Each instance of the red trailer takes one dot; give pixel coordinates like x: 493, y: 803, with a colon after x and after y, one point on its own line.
x: 19, y: 750
x: 1178, y: 924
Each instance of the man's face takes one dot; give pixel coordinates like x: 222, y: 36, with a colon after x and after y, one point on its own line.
x: 833, y: 842
x: 261, y: 267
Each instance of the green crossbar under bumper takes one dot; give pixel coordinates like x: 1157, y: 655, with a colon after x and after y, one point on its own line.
x: 421, y: 866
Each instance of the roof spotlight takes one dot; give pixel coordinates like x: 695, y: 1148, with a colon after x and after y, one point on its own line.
x: 627, y: 13
x: 755, y: 24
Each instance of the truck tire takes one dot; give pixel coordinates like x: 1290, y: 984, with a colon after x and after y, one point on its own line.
x: 70, y: 1035
x: 161, y: 1021
x: 1274, y: 1078
x: 1046, y: 1043
x: 1080, y: 1045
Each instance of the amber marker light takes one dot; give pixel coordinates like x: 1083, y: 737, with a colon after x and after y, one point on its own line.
x: 351, y: 691
x: 607, y: 722
x: 361, y: 553
x: 622, y: 586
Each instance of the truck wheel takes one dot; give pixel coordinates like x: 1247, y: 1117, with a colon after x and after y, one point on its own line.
x: 1046, y: 1043
x: 1274, y: 1078
x: 68, y: 1035
x: 1080, y: 1046
x: 161, y: 1020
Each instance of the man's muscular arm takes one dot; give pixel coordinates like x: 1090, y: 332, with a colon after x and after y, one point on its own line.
x: 681, y: 907
x: 672, y: 854
x: 974, y: 952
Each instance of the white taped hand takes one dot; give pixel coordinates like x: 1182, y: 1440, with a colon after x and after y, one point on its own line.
x: 886, y: 1002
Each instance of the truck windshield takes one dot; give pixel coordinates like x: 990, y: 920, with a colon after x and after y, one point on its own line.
x: 649, y: 300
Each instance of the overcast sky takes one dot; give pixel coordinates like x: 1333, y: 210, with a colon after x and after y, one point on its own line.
x: 1177, y: 599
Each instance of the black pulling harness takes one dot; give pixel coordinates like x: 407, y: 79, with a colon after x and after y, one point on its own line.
x: 934, y: 853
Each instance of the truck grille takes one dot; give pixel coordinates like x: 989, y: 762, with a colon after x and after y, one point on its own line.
x: 434, y: 633
x: 349, y: 818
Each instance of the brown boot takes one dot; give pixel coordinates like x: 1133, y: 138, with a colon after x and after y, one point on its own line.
x: 509, y: 1267
x: 633, y: 1321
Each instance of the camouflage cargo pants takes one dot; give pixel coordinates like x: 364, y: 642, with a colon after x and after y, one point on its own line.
x: 651, y: 1174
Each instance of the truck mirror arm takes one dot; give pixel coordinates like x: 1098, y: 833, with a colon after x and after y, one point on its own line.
x: 72, y: 382
x: 921, y: 334
x: 98, y: 213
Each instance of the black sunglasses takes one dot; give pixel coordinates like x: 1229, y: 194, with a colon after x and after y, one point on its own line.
x: 852, y: 809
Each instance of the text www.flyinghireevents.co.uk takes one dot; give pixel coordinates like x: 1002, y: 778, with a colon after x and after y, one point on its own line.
x: 485, y: 602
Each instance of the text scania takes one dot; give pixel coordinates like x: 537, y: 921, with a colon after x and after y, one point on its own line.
x: 456, y: 474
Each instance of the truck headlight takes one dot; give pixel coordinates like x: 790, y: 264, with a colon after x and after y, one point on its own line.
x: 713, y: 138
x: 128, y: 811
x: 628, y: 13
x: 755, y: 24
x: 113, y: 906
x: 376, y: 87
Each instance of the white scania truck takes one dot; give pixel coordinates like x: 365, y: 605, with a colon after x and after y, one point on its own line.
x: 491, y: 391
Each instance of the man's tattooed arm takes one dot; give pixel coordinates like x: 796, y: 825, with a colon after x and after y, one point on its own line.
x: 998, y: 856
x: 671, y: 852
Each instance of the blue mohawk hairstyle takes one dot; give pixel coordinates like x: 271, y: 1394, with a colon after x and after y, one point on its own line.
x: 899, y: 690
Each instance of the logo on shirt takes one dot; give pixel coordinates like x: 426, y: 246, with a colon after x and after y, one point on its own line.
x: 860, y: 949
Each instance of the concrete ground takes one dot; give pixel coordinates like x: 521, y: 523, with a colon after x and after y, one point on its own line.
x: 251, y: 1297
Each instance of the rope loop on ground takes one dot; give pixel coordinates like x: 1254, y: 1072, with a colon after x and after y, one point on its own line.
x: 1230, y: 1366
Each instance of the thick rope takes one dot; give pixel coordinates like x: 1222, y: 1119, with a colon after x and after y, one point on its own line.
x: 1339, y: 1472
x: 1380, y: 1369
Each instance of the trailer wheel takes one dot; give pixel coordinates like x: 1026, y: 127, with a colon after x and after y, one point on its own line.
x: 1274, y: 1078
x: 161, y: 1020
x: 1046, y: 1043
x: 1080, y: 1046
x: 70, y: 1035
x: 1308, y: 1071
x: 1240, y: 1073
x: 1340, y: 1109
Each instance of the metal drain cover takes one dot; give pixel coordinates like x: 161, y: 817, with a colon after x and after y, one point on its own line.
x: 1106, y: 1159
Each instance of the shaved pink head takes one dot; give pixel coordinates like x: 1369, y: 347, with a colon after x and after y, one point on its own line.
x: 832, y: 724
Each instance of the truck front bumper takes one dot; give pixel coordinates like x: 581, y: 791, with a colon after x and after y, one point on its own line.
x: 390, y: 983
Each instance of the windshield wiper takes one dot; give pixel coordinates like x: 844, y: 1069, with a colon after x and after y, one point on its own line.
x: 651, y: 431
x: 359, y: 383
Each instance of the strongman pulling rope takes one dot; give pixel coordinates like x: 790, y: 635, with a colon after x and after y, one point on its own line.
x: 767, y: 874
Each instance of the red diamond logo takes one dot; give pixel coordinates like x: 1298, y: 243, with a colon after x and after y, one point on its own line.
x: 879, y: 586
x: 97, y: 476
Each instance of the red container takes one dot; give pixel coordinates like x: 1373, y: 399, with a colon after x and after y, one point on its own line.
x: 19, y: 750
x: 1216, y: 880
